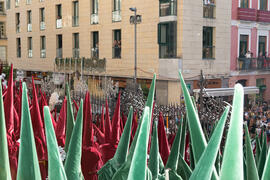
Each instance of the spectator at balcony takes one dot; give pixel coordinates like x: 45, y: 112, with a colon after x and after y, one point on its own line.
x: 260, y: 60
x: 247, y: 60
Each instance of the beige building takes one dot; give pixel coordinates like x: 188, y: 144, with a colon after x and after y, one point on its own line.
x: 3, y: 37
x: 173, y: 35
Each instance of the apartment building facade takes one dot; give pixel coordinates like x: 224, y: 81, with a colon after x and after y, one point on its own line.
x: 171, y: 36
x: 250, y: 29
x: 3, y: 37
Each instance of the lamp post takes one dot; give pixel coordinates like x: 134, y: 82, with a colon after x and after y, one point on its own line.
x: 136, y: 19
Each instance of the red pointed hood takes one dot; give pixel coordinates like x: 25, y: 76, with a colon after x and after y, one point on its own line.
x: 87, y: 123
x: 61, y: 125
x: 116, y: 122
x: 38, y: 127
x: 101, y: 124
x: 99, y: 134
x: 108, y: 126
x: 164, y: 149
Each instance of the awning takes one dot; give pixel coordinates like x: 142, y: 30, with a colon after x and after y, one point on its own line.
x: 227, y: 91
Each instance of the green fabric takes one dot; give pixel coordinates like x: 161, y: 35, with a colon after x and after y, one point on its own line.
x: 263, y: 156
x: 70, y: 120
x: 151, y: 95
x: 109, y: 169
x: 266, y: 171
x: 28, y: 165
x: 258, y: 149
x: 183, y: 169
x: 4, y: 165
x: 232, y: 166
x: 74, y: 154
x: 153, y: 164
x: 204, y: 168
x: 252, y: 173
x: 139, y: 161
x: 183, y: 137
x: 55, y: 166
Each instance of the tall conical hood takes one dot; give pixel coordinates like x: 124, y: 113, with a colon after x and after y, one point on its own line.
x: 61, y: 124
x: 28, y: 167
x: 99, y: 134
x: 74, y: 154
x: 8, y: 104
x: 116, y: 122
x: 162, y: 140
x: 70, y: 120
x: 151, y: 95
x: 138, y: 165
x: 55, y: 167
x: 38, y: 125
x: 108, y: 127
x: 101, y: 125
x: 4, y: 165
x: 87, y: 122
x: 154, y: 156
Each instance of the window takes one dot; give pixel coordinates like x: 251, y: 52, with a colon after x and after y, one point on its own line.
x: 76, y: 45
x: 263, y: 5
x: 18, y: 23
x: 42, y: 18
x: 8, y: 4
x: 167, y: 35
x: 116, y: 5
x: 208, y: 43
x: 94, y: 7
x: 17, y: 3
x: 117, y: 43
x: 95, y: 45
x: 42, y: 46
x: 244, y: 3
x: 58, y: 16
x: 209, y: 8
x: 116, y: 14
x: 59, y: 46
x: 262, y: 45
x: 18, y: 44
x: 243, y: 45
x: 2, y: 30
x: 30, y: 47
x: 75, y: 19
x: 167, y: 7
x: 29, y: 21
x: 2, y: 9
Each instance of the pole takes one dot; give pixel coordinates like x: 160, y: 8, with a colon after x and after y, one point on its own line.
x: 135, y: 46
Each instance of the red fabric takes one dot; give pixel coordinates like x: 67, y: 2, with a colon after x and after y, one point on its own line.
x: 134, y: 126
x: 108, y: 127
x: 17, y: 125
x: 61, y: 125
x: 116, y: 122
x: 101, y: 125
x: 171, y: 139
x: 164, y: 148
x: 108, y: 151
x: 186, y: 149
x: 100, y: 136
x: 87, y: 140
x: 76, y: 105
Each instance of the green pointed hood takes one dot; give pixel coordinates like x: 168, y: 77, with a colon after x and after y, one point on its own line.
x: 183, y: 137
x: 4, y: 165
x: 154, y: 154
x: 55, y: 166
x: 266, y: 171
x: 70, y: 119
x: 151, y: 95
x: 204, y: 168
x: 120, y: 156
x: 28, y: 165
x: 74, y: 154
x: 263, y: 155
x: 252, y: 172
x: 258, y: 149
x: 139, y: 161
x: 232, y: 166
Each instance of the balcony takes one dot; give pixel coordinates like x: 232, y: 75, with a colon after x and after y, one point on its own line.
x: 29, y: 27
x: 30, y: 53
x: 94, y: 18
x: 42, y: 25
x: 75, y: 21
x: 43, y: 53
x: 58, y: 23
x: 95, y: 52
x: 18, y: 28
x: 253, y: 64
x: 247, y: 14
x: 209, y: 10
x: 59, y: 53
x: 263, y: 16
x: 76, y: 52
x: 116, y: 16
x: 167, y: 8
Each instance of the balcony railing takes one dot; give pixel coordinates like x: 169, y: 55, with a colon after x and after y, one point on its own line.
x: 94, y: 18
x: 116, y: 16
x: 75, y: 21
x: 208, y: 52
x: 167, y: 8
x: 76, y: 52
x: 95, y: 52
x: 116, y: 52
x: 263, y: 16
x: 18, y: 28
x: 58, y: 23
x: 43, y: 53
x: 59, y: 53
x: 166, y: 51
x: 29, y: 27
x: 30, y: 53
x: 253, y: 64
x: 42, y: 25
x: 209, y: 10
x: 247, y: 14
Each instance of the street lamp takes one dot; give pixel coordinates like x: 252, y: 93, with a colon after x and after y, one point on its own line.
x: 136, y: 19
